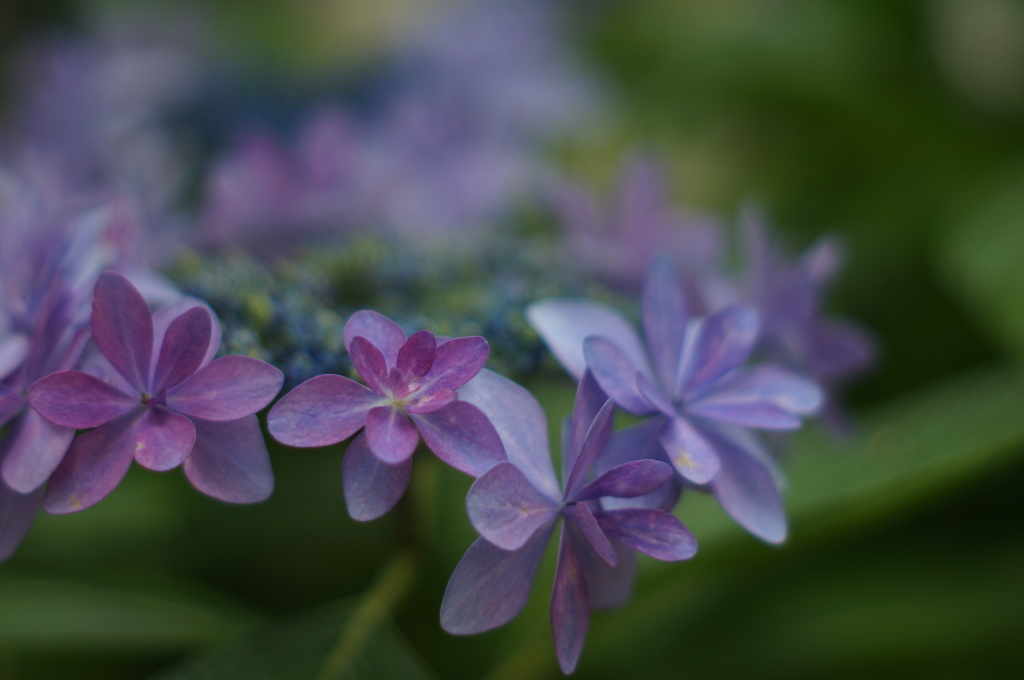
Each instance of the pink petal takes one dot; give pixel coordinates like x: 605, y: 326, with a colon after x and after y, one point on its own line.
x: 228, y: 388
x: 184, y: 347
x: 506, y: 509
x: 36, y: 449
x: 379, y: 330
x: 462, y: 436
x: 431, y: 402
x: 123, y: 328
x: 371, y: 365
x: 323, y: 410
x: 417, y: 355
x: 163, y: 439
x: 372, y: 487
x: 390, y: 434
x: 229, y: 461
x: 570, y: 603
x: 455, y: 363
x: 78, y: 400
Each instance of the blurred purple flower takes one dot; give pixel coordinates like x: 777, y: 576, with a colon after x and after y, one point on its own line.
x: 164, y: 403
x: 515, y: 506
x: 411, y: 394
x: 690, y: 374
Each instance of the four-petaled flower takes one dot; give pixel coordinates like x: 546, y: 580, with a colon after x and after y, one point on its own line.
x: 412, y: 393
x: 515, y: 507
x: 164, y: 402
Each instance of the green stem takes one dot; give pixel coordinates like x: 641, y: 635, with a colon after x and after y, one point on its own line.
x: 386, y: 592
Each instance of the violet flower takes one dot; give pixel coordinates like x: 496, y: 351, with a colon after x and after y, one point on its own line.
x: 165, y: 403
x: 690, y: 374
x: 412, y: 393
x: 516, y: 505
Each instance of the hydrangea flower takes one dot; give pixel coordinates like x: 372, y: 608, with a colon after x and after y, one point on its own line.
x: 411, y: 393
x: 516, y: 505
x: 690, y: 374
x: 164, y: 403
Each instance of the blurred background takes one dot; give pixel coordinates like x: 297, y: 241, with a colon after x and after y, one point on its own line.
x: 896, y: 125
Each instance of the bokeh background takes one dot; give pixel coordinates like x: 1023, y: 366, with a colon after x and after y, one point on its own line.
x: 897, y: 125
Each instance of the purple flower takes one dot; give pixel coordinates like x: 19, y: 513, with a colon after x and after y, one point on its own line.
x: 411, y: 394
x: 690, y: 374
x: 164, y: 403
x: 516, y: 505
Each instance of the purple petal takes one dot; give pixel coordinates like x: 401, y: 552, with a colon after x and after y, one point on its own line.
x: 590, y: 398
x: 655, y: 396
x: 163, y: 439
x: 372, y: 487
x: 36, y: 449
x: 615, y: 374
x: 664, y: 316
x: 78, y: 400
x: 506, y: 509
x: 490, y: 586
x: 228, y: 388
x: 184, y: 347
x: 229, y: 461
x: 371, y: 365
x: 718, y: 344
x: 762, y: 397
x: 639, y: 442
x: 434, y: 401
x: 417, y: 355
x: 748, y: 492
x: 570, y: 603
x: 628, y: 480
x: 455, y: 363
x: 609, y: 586
x: 13, y: 351
x: 581, y: 516
x: 380, y: 331
x: 520, y: 423
x: 653, y: 532
x: 323, y: 410
x: 122, y: 328
x: 17, y: 513
x: 390, y: 434
x: 838, y: 349
x: 689, y: 451
x: 564, y: 324
x: 594, y: 444
x: 461, y: 435
x: 93, y: 466
x: 163, y: 317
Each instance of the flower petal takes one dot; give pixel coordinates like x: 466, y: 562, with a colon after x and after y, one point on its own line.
x: 323, y: 410
x: 609, y: 586
x: 93, y: 466
x: 78, y: 400
x: 570, y: 603
x: 390, y: 434
x: 564, y: 324
x: 163, y: 439
x: 36, y: 449
x: 689, y: 451
x: 767, y: 397
x: 17, y: 513
x: 228, y: 388
x: 380, y: 331
x: 638, y: 442
x: 13, y: 352
x: 580, y: 515
x: 372, y: 487
x: 455, y: 363
x: 163, y: 317
x: 506, y: 509
x: 122, y: 328
x: 590, y: 398
x: 593, y: 445
x: 184, y: 347
x: 653, y: 532
x: 616, y: 374
x: 229, y: 461
x: 490, y: 586
x: 433, y: 401
x: 747, y: 490
x: 718, y: 344
x: 628, y: 480
x: 461, y: 435
x: 371, y: 365
x: 417, y: 355
x: 664, y: 316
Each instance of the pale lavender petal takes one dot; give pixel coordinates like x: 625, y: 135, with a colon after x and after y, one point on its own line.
x: 323, y: 410
x: 506, y: 509
x: 564, y: 324
x: 372, y: 487
x: 490, y: 586
x: 609, y: 586
x: 593, y: 445
x: 762, y: 397
x: 122, y: 328
x: 653, y: 532
x: 431, y: 402
x: 590, y: 398
x: 520, y: 423
x: 17, y: 513
x: 94, y: 465
x: 229, y: 461
x: 689, y: 451
x: 628, y: 480
x: 718, y: 344
x: 184, y: 347
x: 655, y: 396
x: 664, y: 317
x: 748, y: 492
x: 580, y: 515
x: 163, y: 439
x: 382, y: 332
x: 570, y: 603
x: 228, y: 388
x: 390, y: 434
x: 371, y: 365
x: 13, y: 351
x: 455, y: 363
x: 163, y: 317
x: 417, y: 355
x: 78, y: 400
x: 616, y: 374
x: 36, y: 449
x: 462, y: 436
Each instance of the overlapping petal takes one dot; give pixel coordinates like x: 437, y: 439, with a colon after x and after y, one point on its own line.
x: 123, y: 328
x: 36, y: 449
x: 371, y: 364
x: 587, y: 527
x: 506, y: 509
x: 379, y: 330
x: 462, y: 436
x: 372, y: 487
x: 78, y: 400
x: 747, y: 490
x: 229, y: 461
x: 183, y: 349
x: 228, y: 388
x: 766, y: 397
x: 417, y: 355
x: 455, y: 363
x: 163, y: 439
x: 616, y: 374
x: 718, y: 344
x: 664, y: 313
x: 570, y: 603
x: 390, y: 434
x: 689, y: 451
x: 323, y: 410
x: 635, y: 478
x: 653, y: 532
